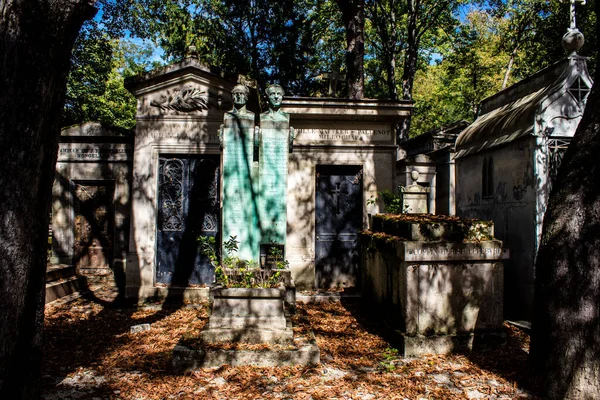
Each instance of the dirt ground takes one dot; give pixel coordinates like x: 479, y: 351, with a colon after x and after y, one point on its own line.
x: 91, y: 354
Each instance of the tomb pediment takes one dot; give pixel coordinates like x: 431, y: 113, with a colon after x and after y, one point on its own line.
x: 189, y: 89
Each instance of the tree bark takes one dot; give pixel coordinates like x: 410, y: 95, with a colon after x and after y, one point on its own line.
x: 36, y: 38
x: 565, y: 341
x: 353, y: 16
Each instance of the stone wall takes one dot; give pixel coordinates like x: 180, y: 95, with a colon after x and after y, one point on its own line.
x: 513, y: 208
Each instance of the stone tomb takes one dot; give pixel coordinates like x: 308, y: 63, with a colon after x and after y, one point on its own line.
x: 436, y: 280
x: 179, y: 111
x: 91, y: 200
x: 343, y: 154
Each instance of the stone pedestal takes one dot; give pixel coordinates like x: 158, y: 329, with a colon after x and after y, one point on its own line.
x: 415, y: 199
x: 436, y: 295
x: 248, y: 316
x: 240, y: 206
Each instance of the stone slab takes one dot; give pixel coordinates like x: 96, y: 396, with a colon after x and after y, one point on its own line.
x: 433, y: 228
x: 272, y: 176
x: 186, y: 359
x: 418, y: 346
x: 247, y: 335
x: 258, y: 322
x: 240, y: 215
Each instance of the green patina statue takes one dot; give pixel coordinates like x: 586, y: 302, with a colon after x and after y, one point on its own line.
x: 275, y: 96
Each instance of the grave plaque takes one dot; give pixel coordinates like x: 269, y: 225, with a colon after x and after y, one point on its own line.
x: 274, y: 147
x: 240, y: 217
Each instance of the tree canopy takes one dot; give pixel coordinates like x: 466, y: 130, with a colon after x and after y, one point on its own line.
x: 445, y: 55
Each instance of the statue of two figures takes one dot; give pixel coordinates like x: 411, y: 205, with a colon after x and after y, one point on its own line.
x: 255, y: 168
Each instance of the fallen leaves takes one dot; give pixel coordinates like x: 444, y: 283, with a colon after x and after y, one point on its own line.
x: 90, y: 352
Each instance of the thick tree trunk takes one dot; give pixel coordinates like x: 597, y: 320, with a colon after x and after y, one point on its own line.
x: 565, y: 341
x: 410, y: 63
x: 412, y: 52
x: 353, y: 15
x: 36, y: 38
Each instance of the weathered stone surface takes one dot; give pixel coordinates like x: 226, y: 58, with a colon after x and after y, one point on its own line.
x: 436, y: 294
x: 249, y: 316
x: 186, y: 359
x: 272, y: 172
x: 415, y: 199
x: 247, y: 334
x: 433, y: 228
x: 240, y: 216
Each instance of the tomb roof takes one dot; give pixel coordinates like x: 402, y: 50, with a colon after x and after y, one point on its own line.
x: 345, y: 109
x: 544, y: 103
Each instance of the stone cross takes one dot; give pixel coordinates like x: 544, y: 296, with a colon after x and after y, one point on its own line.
x: 334, y: 78
x: 337, y: 193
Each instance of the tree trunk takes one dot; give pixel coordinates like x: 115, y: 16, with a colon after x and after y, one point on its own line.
x: 511, y: 61
x: 36, y: 38
x: 565, y: 341
x: 353, y: 15
x: 410, y: 63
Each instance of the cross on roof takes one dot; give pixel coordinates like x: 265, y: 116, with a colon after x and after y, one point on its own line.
x: 572, y: 24
x: 334, y: 78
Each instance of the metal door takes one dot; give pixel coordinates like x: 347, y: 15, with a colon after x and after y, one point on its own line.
x: 188, y: 207
x: 339, y: 218
x: 94, y: 233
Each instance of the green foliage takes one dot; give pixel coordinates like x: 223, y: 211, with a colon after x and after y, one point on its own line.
x: 95, y: 85
x: 392, y: 201
x: 234, y: 272
x: 293, y: 42
x: 390, y: 358
x: 472, y: 69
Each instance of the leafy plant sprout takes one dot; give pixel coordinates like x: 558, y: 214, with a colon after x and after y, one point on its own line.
x: 235, y: 272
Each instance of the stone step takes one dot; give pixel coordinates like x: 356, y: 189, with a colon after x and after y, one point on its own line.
x: 58, y: 272
x: 64, y: 287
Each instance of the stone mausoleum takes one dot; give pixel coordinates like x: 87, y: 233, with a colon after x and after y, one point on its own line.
x: 168, y: 183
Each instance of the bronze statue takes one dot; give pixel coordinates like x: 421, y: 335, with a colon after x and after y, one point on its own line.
x: 240, y: 98
x: 275, y: 96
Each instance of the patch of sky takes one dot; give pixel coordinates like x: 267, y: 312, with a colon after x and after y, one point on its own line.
x: 153, y: 54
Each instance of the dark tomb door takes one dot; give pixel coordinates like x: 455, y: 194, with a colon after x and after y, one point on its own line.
x: 188, y: 207
x: 339, y: 218
x: 94, y: 222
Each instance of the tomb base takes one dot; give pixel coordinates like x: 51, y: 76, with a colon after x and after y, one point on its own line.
x: 241, y: 319
x: 188, y: 359
x: 417, y: 346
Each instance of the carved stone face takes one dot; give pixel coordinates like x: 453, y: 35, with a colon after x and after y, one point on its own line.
x: 239, y: 98
x: 275, y: 95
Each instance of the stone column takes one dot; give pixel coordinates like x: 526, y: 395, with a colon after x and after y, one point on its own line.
x: 240, y: 206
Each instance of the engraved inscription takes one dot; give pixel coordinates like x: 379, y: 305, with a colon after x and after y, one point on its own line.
x: 345, y: 135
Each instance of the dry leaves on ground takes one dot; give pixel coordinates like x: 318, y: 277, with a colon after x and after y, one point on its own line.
x: 90, y: 353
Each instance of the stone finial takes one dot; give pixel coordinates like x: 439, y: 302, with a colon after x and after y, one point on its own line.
x: 573, y: 40
x: 192, y: 52
x: 414, y: 175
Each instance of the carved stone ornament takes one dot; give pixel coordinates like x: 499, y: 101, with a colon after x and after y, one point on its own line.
x: 186, y: 99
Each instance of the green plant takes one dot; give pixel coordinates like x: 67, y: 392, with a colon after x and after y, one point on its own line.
x: 235, y: 272
x: 392, y: 201
x: 390, y: 356
x: 276, y: 254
